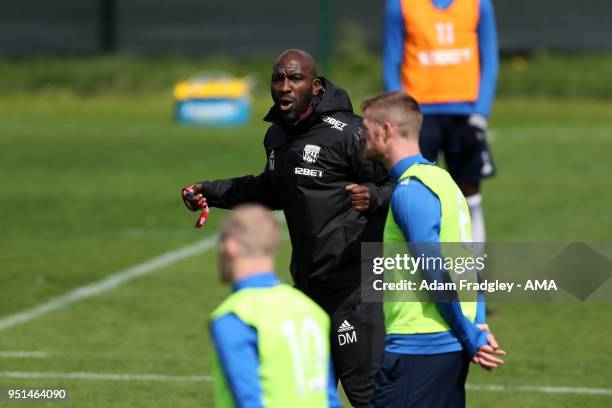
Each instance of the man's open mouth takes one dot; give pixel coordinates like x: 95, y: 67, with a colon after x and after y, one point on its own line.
x: 286, y: 104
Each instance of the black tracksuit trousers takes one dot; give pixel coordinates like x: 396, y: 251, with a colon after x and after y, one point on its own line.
x: 357, y: 344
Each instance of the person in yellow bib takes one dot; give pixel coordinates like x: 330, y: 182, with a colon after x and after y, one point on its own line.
x: 444, y: 53
x: 271, y: 341
x: 429, y: 343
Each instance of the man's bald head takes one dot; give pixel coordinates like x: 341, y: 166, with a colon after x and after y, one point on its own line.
x: 302, y: 57
x: 295, y: 82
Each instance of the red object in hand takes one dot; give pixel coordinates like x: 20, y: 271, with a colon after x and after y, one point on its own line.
x: 205, y: 210
x: 203, y: 216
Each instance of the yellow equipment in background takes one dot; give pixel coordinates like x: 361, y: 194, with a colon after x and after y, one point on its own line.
x: 213, y: 100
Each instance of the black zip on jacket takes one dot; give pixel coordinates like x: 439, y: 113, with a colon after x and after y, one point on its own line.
x: 308, y: 167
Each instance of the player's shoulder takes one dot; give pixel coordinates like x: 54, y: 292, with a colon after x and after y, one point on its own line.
x: 393, y: 9
x: 404, y: 187
x: 411, y: 190
x: 412, y: 199
x: 486, y: 8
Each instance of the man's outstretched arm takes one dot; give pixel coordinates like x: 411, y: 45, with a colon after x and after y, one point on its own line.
x: 228, y: 193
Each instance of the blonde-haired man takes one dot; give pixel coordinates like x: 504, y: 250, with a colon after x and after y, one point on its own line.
x: 271, y: 341
x: 429, y: 344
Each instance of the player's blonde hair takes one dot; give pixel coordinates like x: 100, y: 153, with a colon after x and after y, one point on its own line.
x: 397, y: 108
x: 254, y: 228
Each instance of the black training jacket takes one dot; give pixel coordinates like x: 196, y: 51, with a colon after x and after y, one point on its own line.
x: 308, y: 167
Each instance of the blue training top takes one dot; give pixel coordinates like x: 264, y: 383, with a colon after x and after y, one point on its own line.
x: 417, y: 211
x: 236, y: 344
x: 393, y: 53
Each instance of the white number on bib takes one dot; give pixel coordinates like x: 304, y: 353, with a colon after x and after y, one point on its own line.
x: 308, y: 354
x: 445, y: 33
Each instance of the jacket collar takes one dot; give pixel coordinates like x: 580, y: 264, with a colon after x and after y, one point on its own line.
x: 330, y: 99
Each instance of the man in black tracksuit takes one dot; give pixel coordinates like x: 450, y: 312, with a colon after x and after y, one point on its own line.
x: 332, y: 199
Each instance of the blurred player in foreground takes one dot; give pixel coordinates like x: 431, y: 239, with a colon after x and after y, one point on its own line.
x: 428, y: 344
x: 332, y: 199
x: 271, y: 341
x: 444, y: 53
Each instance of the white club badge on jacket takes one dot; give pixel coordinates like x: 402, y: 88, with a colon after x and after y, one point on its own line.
x: 311, y: 153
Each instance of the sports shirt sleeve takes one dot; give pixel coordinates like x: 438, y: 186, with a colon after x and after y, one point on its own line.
x: 489, y: 58
x: 393, y: 45
x: 332, y: 388
x: 236, y: 345
x: 417, y: 211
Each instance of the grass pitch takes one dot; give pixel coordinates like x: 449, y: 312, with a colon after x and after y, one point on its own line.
x: 90, y: 187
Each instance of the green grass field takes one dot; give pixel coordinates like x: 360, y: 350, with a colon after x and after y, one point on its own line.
x: 89, y: 187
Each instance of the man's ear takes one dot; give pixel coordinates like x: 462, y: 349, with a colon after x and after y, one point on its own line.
x: 316, y: 86
x: 232, y: 247
x: 387, y: 131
